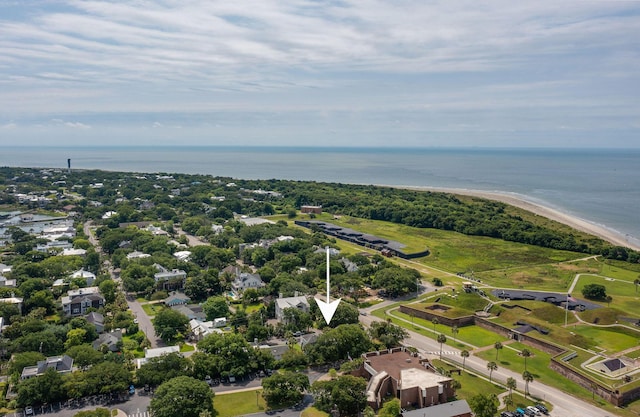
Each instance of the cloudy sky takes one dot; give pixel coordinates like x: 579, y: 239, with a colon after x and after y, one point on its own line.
x: 313, y: 73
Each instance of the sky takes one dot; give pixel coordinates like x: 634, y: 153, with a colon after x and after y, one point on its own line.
x: 399, y: 73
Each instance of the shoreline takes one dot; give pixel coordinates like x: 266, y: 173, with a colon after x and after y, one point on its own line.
x: 577, y: 223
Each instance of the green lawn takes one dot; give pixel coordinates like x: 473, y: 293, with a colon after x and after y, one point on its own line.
x: 473, y: 335
x: 152, y: 309
x: 611, y: 339
x: 239, y: 403
x: 623, y: 292
x: 454, y: 251
x: 471, y: 383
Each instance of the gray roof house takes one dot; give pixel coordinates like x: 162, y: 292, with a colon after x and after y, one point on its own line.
x: 110, y: 340
x: 299, y: 302
x: 62, y: 364
x: 77, y: 302
x: 97, y: 320
x: 246, y: 280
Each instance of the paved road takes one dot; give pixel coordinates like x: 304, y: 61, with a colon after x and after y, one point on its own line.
x: 564, y: 405
x: 144, y: 322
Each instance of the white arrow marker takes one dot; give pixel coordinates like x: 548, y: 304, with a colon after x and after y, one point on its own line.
x: 328, y: 309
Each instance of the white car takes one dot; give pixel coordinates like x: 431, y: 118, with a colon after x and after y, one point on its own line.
x: 534, y: 410
x: 28, y: 411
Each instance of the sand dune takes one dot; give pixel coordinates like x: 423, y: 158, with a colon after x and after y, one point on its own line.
x: 517, y: 201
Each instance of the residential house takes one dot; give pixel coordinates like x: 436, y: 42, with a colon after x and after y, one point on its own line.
x: 156, y: 353
x: 89, y: 277
x: 5, y: 269
x: 155, y: 230
x: 53, y: 246
x: 192, y: 311
x: 169, y: 280
x: 137, y: 255
x: 97, y: 320
x: 349, y: 265
x: 177, y: 298
x: 62, y: 364
x: 276, y: 350
x: 112, y: 341
x: 299, y: 302
x: 182, y: 255
x: 74, y: 252
x: 405, y: 375
x: 6, y: 282
x: 17, y: 301
x: 246, y: 280
x: 201, y: 329
x: 77, y: 302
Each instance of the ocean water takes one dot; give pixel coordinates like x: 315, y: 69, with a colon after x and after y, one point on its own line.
x: 601, y: 186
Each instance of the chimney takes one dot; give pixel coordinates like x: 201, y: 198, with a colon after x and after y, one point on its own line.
x: 280, y: 295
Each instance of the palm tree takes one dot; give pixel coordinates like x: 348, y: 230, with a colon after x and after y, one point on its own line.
x: 511, y: 384
x: 454, y: 332
x: 491, y: 366
x: 441, y: 339
x: 525, y: 354
x: 609, y: 299
x: 497, y: 346
x: 508, y: 402
x: 528, y: 377
x: 435, y: 322
x: 465, y: 354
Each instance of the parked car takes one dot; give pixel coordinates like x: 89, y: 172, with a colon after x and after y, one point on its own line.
x: 534, y: 410
x: 542, y: 408
x: 28, y: 410
x: 520, y: 411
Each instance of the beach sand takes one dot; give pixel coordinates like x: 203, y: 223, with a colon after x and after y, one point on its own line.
x: 517, y: 201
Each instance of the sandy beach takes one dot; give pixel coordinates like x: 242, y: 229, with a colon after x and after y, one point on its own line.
x: 517, y: 201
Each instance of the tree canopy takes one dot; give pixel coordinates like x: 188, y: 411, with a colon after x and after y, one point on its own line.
x: 182, y: 396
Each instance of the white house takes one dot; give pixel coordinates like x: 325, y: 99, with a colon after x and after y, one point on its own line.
x: 155, y: 353
x: 89, y: 277
x: 137, y: 255
x: 74, y: 252
x: 246, y: 280
x: 182, y: 255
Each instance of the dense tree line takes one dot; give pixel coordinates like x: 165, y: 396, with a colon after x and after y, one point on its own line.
x: 201, y: 201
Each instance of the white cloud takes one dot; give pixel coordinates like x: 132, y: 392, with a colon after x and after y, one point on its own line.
x: 134, y: 62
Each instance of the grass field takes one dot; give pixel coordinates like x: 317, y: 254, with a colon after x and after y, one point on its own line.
x: 470, y: 335
x: 623, y: 292
x: 152, y: 309
x: 611, y: 339
x: 239, y: 403
x: 454, y: 251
